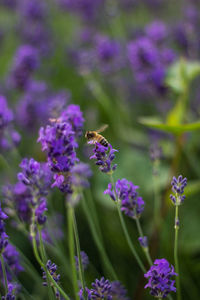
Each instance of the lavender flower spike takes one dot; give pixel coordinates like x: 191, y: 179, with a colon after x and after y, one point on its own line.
x: 101, y: 289
x: 178, y: 186
x: 52, y: 268
x: 118, y: 291
x: 104, y: 156
x: 125, y: 191
x: 160, y: 278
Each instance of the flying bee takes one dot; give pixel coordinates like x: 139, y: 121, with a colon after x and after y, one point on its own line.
x: 94, y: 137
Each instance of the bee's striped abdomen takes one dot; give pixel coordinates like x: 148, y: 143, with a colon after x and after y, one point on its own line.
x: 103, y: 141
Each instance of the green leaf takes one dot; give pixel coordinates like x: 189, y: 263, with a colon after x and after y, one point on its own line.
x: 181, y: 73
x: 156, y: 123
x: 176, y: 114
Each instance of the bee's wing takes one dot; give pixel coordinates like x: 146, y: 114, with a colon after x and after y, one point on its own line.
x: 102, y: 128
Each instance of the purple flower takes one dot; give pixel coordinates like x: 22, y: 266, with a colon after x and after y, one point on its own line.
x: 157, y: 31
x: 8, y: 136
x: 13, y: 289
x: 125, y: 191
x: 74, y: 116
x: 101, y: 289
x: 6, y: 115
x: 12, y: 260
x: 26, y: 60
x: 52, y: 268
x: 40, y: 210
x: 107, y: 54
x: 160, y: 278
x: 3, y: 235
x: 32, y: 10
x: 149, y: 59
x: 143, y: 241
x: 118, y: 291
x: 39, y: 104
x: 104, y: 156
x: 155, y: 152
x: 59, y: 141
x: 30, y: 192
x: 84, y: 261
x: 178, y: 186
x: 37, y: 35
x: 89, y: 10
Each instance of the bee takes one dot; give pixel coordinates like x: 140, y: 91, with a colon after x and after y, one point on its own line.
x: 94, y: 137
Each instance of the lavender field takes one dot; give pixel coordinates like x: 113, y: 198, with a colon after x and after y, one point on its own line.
x: 99, y: 149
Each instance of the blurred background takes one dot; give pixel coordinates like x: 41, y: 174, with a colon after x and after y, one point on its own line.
x: 133, y: 65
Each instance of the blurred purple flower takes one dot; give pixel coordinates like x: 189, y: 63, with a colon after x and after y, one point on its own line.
x: 157, y: 31
x: 118, y: 291
x: 149, y: 58
x: 78, y: 181
x: 26, y: 61
x: 8, y: 136
x: 13, y: 289
x: 143, y: 241
x: 12, y: 260
x: 3, y: 235
x: 39, y: 104
x: 32, y: 10
x: 108, y: 56
x: 36, y: 34
x: 159, y: 276
x: 84, y: 261
x: 74, y: 116
x: 89, y: 10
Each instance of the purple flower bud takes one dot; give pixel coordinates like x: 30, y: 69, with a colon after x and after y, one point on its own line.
x: 143, y: 241
x: 178, y: 186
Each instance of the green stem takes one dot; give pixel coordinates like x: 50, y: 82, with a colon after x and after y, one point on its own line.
x: 176, y: 254
x: 37, y: 256
x: 71, y: 251
x: 156, y: 198
x: 98, y: 241
x: 43, y: 254
x: 80, y: 265
x: 92, y: 208
x: 131, y: 246
x: 145, y: 249
x: 4, y: 273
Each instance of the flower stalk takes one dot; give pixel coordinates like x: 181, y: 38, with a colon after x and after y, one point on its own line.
x: 146, y: 248
x: 176, y: 227
x: 131, y: 246
x: 81, y: 272
x: 71, y: 250
x: 37, y: 256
